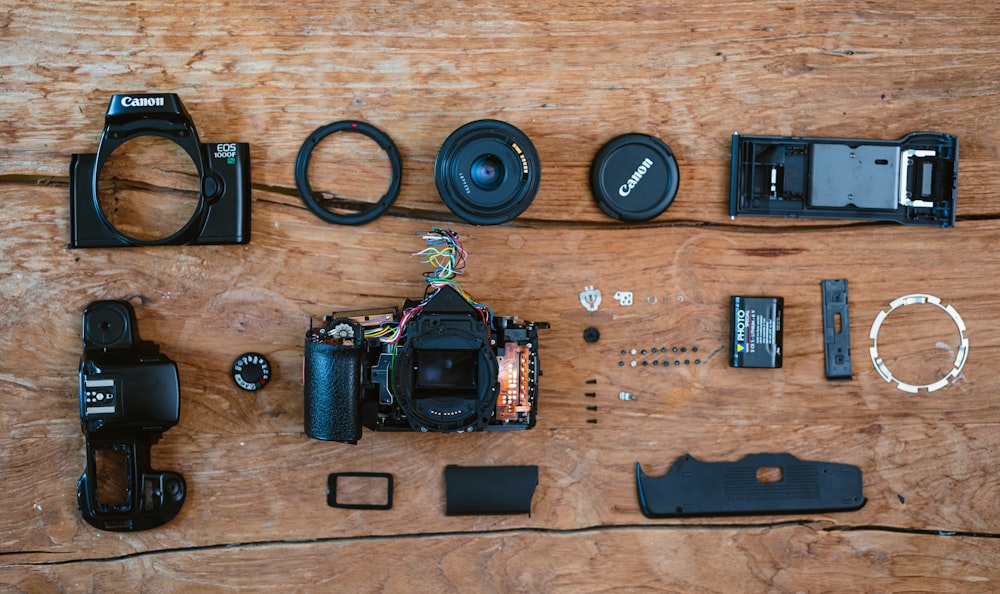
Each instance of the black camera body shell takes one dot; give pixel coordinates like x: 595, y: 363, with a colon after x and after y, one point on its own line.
x: 129, y: 395
x: 222, y: 215
x: 442, y: 377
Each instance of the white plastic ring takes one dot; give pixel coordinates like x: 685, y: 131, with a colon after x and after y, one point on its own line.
x: 960, y: 356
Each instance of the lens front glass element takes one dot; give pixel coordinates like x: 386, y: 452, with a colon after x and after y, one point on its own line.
x: 487, y: 172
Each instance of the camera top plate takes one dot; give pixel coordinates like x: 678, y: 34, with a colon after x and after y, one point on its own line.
x: 129, y: 396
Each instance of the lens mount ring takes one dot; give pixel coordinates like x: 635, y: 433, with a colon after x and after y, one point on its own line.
x: 487, y: 172
x: 302, y: 172
x: 440, y: 414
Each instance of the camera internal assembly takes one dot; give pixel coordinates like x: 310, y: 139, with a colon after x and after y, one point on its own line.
x: 487, y: 172
x: 913, y: 180
x: 129, y: 395
x: 444, y: 363
x: 222, y: 213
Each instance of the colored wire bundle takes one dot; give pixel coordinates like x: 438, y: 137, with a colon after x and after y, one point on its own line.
x: 445, y: 253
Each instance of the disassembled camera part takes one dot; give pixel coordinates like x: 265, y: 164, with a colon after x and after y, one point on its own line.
x: 755, y: 331
x: 960, y: 356
x: 487, y: 172
x: 656, y: 362
x: 626, y: 396
x: 444, y: 363
x: 590, y: 298
x: 222, y: 215
x: 634, y: 177
x: 591, y: 335
x: 251, y: 371
x: 836, y: 330
x: 623, y: 297
x: 377, y: 477
x: 913, y: 180
x: 314, y: 201
x: 129, y: 396
x: 489, y: 489
x: 693, y: 488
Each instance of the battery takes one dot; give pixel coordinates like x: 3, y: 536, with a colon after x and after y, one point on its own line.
x: 755, y: 331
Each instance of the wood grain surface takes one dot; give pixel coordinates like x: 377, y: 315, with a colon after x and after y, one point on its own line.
x: 571, y: 76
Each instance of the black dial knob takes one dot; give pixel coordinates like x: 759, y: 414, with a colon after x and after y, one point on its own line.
x: 251, y: 371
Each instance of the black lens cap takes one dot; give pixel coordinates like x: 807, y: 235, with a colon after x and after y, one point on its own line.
x: 634, y: 177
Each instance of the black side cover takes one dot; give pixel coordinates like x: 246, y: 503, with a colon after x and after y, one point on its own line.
x: 489, y: 489
x: 694, y: 488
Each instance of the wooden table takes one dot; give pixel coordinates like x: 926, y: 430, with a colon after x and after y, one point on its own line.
x: 571, y: 76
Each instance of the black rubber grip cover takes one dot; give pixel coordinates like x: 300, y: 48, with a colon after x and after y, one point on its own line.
x: 332, y: 382
x: 489, y: 489
x: 695, y: 488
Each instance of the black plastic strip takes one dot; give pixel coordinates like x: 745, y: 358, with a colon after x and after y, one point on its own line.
x: 489, y: 489
x: 837, y: 345
x: 331, y: 490
x: 693, y: 488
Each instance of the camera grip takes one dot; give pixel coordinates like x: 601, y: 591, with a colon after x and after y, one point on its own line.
x: 332, y: 386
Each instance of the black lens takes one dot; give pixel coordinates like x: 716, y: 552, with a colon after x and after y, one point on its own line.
x: 487, y: 172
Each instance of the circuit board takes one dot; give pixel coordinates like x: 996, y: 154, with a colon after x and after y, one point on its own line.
x: 514, y: 398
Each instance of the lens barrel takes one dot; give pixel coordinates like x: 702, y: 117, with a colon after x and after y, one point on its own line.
x: 487, y: 172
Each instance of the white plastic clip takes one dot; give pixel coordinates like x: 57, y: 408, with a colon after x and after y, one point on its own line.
x: 623, y: 297
x: 590, y: 298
